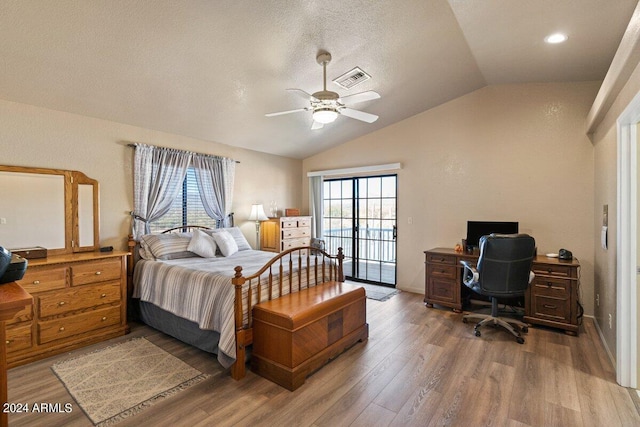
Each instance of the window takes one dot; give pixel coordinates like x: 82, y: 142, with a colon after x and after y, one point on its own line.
x: 186, y: 209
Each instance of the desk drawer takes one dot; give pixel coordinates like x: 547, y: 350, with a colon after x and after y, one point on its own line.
x: 546, y: 307
x: 552, y: 270
x: 443, y: 271
x: 443, y: 290
x: 441, y: 259
x: 551, y: 287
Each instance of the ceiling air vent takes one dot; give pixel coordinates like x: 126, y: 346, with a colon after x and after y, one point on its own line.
x: 351, y: 78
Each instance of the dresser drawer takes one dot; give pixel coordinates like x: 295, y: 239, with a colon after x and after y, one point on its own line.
x: 23, y: 315
x: 64, y: 327
x: 552, y: 270
x: 78, y: 297
x: 304, y: 223
x: 556, y: 309
x: 294, y: 243
x: 98, y: 271
x: 289, y: 233
x: 44, y: 279
x: 289, y: 223
x: 18, y: 337
x: 443, y: 271
x: 441, y: 259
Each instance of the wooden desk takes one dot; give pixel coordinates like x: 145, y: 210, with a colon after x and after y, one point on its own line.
x: 551, y: 299
x: 12, y: 299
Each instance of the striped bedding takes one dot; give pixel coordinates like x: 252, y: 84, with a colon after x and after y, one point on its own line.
x: 200, y: 290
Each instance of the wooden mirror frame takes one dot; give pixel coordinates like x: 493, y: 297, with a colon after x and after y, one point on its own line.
x: 72, y: 215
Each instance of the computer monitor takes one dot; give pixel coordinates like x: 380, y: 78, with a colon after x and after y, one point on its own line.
x: 477, y: 229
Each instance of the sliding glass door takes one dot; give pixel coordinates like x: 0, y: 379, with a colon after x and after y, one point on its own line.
x: 359, y: 215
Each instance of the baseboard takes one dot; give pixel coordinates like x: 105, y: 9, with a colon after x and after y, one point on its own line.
x: 604, y: 342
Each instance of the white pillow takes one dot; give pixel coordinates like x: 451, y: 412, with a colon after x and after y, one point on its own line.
x: 237, y: 235
x: 202, y: 244
x: 226, y: 243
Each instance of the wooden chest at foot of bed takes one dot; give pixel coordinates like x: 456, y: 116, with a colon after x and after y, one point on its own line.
x: 295, y: 335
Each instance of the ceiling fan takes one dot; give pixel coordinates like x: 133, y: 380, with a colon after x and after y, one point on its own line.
x: 327, y: 105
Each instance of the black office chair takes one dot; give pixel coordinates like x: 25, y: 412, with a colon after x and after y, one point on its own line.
x: 503, y: 271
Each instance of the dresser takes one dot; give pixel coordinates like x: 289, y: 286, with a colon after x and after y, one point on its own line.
x: 551, y: 299
x: 78, y: 299
x: 13, y: 299
x: 287, y: 232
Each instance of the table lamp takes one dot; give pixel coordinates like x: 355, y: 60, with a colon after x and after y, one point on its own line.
x: 257, y: 214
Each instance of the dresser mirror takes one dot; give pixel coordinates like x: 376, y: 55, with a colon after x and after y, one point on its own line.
x: 50, y: 208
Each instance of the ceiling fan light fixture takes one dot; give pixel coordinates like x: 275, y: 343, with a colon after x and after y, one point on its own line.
x: 325, y: 115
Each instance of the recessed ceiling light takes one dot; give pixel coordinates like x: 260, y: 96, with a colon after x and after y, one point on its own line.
x: 556, y: 38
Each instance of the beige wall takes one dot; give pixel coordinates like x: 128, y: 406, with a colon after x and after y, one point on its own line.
x: 606, y: 174
x: 38, y: 137
x: 510, y: 152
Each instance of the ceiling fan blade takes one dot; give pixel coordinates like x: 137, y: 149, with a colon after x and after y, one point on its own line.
x: 358, y: 115
x: 360, y: 97
x: 280, y: 113
x: 316, y: 125
x: 301, y: 93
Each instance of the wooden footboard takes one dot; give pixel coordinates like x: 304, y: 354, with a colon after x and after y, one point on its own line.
x: 313, y: 267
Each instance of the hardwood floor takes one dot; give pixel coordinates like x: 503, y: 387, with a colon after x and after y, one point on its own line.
x: 420, y: 366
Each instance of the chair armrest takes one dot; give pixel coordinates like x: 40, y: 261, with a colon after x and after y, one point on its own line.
x: 469, y: 274
x: 531, y: 276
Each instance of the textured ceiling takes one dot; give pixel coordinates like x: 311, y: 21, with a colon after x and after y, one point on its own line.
x: 211, y: 69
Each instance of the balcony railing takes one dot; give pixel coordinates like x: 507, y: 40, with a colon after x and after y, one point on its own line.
x: 377, y: 244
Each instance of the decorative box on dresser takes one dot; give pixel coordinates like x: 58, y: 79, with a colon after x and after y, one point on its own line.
x: 551, y: 299
x: 287, y: 232
x: 78, y: 299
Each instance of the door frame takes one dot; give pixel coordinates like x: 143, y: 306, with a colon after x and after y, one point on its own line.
x: 626, y: 246
x: 356, y: 231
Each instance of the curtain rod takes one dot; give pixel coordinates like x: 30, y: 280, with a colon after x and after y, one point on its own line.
x: 177, y: 149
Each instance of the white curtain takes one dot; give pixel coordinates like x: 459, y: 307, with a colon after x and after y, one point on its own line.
x: 215, y: 178
x: 157, y: 179
x: 316, y: 184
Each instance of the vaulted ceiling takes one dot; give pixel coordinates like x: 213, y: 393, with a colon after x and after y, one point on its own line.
x: 211, y: 69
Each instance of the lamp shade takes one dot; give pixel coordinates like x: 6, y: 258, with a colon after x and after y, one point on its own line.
x: 257, y: 213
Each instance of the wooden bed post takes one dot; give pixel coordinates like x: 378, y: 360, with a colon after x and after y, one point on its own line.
x: 340, y: 259
x: 238, y: 367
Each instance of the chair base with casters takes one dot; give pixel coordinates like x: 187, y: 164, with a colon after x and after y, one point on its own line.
x: 514, y: 326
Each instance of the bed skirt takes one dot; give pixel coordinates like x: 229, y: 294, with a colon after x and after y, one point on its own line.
x: 182, y: 329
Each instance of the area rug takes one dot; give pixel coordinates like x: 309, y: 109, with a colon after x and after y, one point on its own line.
x: 376, y: 292
x: 116, y: 382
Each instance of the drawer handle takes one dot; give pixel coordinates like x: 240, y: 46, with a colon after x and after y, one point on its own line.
x: 98, y: 273
x: 7, y: 342
x: 36, y: 282
x: 61, y: 328
x: 103, y: 295
x: 553, y: 307
x: 61, y: 303
x: 104, y: 318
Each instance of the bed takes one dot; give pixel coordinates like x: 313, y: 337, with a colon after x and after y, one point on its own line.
x: 199, y: 285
